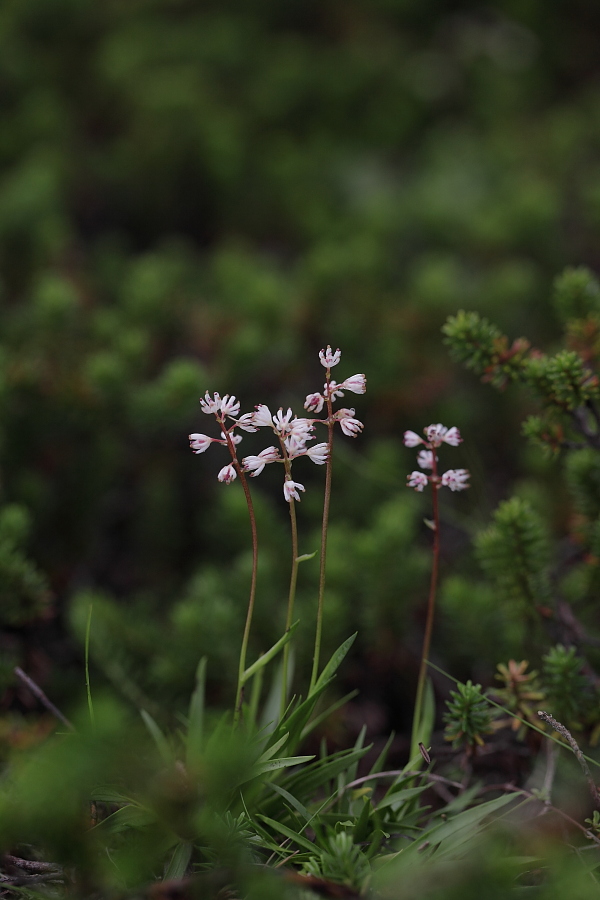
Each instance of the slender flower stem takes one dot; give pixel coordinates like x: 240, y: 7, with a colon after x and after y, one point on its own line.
x: 326, y: 504
x: 239, y: 696
x: 430, y: 605
x: 292, y: 590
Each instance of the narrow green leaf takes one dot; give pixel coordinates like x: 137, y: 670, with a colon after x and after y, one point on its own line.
x: 335, y: 662
x: 129, y: 816
x: 298, y: 839
x: 299, y: 807
x: 399, y: 797
x: 268, y: 656
x: 314, y: 723
x: 306, y: 556
x: 285, y: 762
x: 158, y: 737
x: 380, y: 761
x: 272, y: 750
x: 195, y: 732
x: 179, y: 861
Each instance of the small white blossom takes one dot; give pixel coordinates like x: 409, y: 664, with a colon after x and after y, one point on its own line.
x: 209, y: 405
x: 229, y: 406
x: 296, y: 444
x: 411, y: 439
x: 246, y: 422
x: 281, y: 421
x: 456, y: 479
x: 332, y: 390
x: 417, y: 480
x: 255, y: 464
x: 318, y: 453
x: 314, y: 402
x: 425, y: 459
x: 291, y: 488
x: 227, y: 474
x: 262, y: 416
x: 438, y: 434
x: 351, y: 427
x: 329, y: 358
x: 356, y: 383
x: 200, y: 442
x: 235, y: 438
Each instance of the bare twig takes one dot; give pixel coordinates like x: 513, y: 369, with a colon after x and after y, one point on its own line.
x: 30, y: 865
x: 575, y: 748
x: 38, y: 692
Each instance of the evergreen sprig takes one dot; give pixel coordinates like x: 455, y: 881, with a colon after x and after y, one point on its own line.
x: 469, y: 716
x: 514, y: 551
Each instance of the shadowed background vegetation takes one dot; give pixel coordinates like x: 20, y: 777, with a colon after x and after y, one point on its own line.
x: 202, y: 195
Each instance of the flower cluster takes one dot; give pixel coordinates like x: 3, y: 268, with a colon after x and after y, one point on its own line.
x: 293, y: 433
x: 436, y: 435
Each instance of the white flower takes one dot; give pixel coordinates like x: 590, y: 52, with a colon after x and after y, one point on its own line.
x: 210, y: 406
x: 436, y: 434
x: 246, y: 422
x: 295, y: 445
x: 281, y: 421
x: 411, y: 439
x: 318, y: 453
x: 227, y: 474
x: 425, y: 459
x: 356, y: 383
x: 229, y: 406
x: 456, y: 479
x: 314, y: 402
x: 332, y: 390
x: 235, y: 438
x: 417, y: 480
x: 329, y: 358
x: 351, y: 427
x: 453, y: 437
x: 255, y: 464
x: 200, y: 442
x: 262, y: 416
x: 291, y: 488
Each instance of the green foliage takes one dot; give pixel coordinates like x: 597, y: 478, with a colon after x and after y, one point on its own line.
x: 576, y: 294
x: 24, y: 592
x: 469, y: 717
x: 568, y: 690
x: 515, y: 552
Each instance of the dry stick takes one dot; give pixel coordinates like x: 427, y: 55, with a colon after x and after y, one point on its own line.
x: 575, y: 748
x: 38, y: 692
x: 430, y: 603
x: 326, y: 504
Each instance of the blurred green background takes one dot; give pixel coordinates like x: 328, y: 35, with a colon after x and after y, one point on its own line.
x: 203, y: 195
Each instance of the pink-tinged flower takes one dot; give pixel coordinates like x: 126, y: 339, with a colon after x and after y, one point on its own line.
x: 291, y: 488
x: 456, y: 479
x: 301, y: 427
x: 351, y: 427
x: 200, y: 442
x: 295, y: 444
x: 318, y: 453
x: 235, y: 438
x: 453, y: 437
x: 281, y: 421
x: 425, y: 459
x: 329, y: 358
x: 356, y: 383
x: 227, y: 474
x: 411, y: 439
x: 246, y: 422
x: 229, y: 406
x: 209, y: 405
x: 262, y: 416
x: 417, y: 480
x: 333, y: 390
x: 438, y: 434
x: 255, y: 464
x: 314, y: 402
